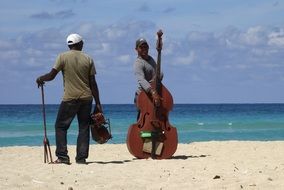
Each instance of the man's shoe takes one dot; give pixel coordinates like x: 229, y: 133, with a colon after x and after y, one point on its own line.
x: 82, y: 161
x: 61, y: 161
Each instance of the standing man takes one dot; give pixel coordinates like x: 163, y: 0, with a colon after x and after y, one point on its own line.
x: 145, y: 71
x: 80, y: 87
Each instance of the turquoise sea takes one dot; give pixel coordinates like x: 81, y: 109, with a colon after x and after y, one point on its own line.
x: 23, y: 124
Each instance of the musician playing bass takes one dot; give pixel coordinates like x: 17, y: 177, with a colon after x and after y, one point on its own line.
x: 145, y: 70
x: 152, y: 136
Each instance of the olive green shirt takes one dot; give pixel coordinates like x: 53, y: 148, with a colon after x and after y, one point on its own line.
x: 76, y: 68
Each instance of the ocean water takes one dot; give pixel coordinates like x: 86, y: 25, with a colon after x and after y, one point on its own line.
x: 23, y: 124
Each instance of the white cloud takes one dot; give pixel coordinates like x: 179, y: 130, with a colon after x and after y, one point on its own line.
x: 224, y: 57
x: 124, y: 58
x: 85, y: 28
x: 276, y: 38
x: 52, y: 45
x: 34, y: 52
x: 186, y: 60
x: 278, y: 41
x: 254, y: 36
x: 103, y: 48
x: 115, y: 32
x: 32, y: 62
x: 64, y: 14
x: 5, y: 45
x: 9, y: 55
x: 199, y: 36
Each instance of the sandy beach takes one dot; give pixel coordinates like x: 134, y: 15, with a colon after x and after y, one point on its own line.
x: 200, y: 165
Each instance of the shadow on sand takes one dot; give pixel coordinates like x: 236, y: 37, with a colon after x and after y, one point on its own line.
x: 178, y: 157
x: 109, y: 162
x: 184, y: 157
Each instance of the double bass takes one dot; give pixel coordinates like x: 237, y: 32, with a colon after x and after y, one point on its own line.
x: 153, y: 136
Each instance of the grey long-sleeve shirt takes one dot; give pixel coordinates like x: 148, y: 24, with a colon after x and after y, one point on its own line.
x: 144, y: 71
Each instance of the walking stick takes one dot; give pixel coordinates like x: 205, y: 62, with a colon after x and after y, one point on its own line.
x: 47, y: 152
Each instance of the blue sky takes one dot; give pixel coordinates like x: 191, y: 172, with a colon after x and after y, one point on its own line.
x: 223, y: 51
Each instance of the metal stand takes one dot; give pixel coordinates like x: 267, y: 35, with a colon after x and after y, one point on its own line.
x: 47, y: 152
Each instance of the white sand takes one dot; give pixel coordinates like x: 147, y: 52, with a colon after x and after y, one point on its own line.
x: 235, y: 164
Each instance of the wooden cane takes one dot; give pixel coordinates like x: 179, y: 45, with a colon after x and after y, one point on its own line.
x: 47, y: 152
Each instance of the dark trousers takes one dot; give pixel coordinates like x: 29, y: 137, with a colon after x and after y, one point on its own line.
x: 66, y: 113
x: 135, y: 102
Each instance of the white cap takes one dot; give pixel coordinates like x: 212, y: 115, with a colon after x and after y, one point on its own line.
x: 73, y: 39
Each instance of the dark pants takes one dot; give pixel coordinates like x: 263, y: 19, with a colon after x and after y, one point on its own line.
x: 138, y: 110
x: 66, y: 113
